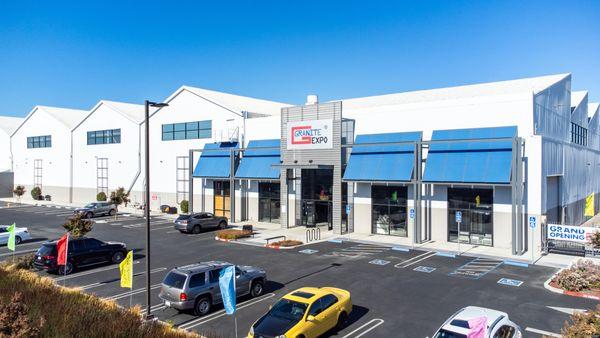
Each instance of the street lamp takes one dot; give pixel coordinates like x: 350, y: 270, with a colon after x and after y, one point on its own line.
x: 148, y: 104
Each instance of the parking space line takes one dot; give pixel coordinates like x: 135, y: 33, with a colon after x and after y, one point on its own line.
x: 372, y: 324
x: 137, y: 274
x: 134, y: 292
x: 415, y: 260
x: 163, y: 228
x: 476, y: 268
x: 17, y: 252
x: 85, y: 273
x: 542, y: 332
x: 221, y: 313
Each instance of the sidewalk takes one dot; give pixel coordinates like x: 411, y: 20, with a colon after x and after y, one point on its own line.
x: 268, y: 230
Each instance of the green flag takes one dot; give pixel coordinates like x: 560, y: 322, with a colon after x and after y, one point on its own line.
x: 11, y: 237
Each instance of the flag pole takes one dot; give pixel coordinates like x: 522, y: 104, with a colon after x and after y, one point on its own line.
x: 235, y: 297
x: 66, y: 261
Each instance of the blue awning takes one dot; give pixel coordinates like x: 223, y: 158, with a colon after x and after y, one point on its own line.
x: 215, y: 161
x: 470, y: 162
x: 259, y: 163
x: 383, y: 163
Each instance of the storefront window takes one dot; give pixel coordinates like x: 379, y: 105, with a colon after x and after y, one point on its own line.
x: 477, y: 225
x: 269, y: 202
x: 389, y: 210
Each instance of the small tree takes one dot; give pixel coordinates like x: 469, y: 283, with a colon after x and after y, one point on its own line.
x: 19, y: 191
x: 78, y: 226
x: 596, y: 239
x: 185, y: 206
x: 119, y: 197
x: 36, y: 192
x: 101, y: 197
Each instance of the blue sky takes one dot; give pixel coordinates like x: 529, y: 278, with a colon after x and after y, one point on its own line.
x: 72, y: 54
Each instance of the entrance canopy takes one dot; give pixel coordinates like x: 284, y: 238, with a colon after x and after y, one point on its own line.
x: 385, y: 162
x: 477, y: 161
x: 214, y: 160
x: 260, y: 160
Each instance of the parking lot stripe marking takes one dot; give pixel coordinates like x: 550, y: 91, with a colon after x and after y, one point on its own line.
x: 172, y: 232
x: 476, y: 268
x: 84, y: 273
x: 414, y: 260
x: 221, y: 313
x: 93, y: 285
x: 374, y: 322
x: 163, y: 228
x: 17, y: 252
x: 134, y: 292
x: 542, y: 332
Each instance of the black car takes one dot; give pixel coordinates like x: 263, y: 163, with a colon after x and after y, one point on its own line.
x: 97, y: 209
x: 81, y: 252
x: 194, y: 223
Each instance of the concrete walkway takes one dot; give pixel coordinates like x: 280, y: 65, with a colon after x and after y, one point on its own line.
x: 268, y: 230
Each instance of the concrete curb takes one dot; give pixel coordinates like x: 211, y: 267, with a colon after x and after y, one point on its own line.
x: 278, y: 247
x: 566, y: 292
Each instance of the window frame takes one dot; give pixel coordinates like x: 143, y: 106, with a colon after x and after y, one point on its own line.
x: 43, y: 141
x: 105, y: 136
x: 191, y: 130
x: 203, y: 273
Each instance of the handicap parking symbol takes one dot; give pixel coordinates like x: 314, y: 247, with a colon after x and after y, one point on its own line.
x: 412, y: 213
x: 532, y: 222
x: 458, y: 216
x: 379, y: 262
x: 510, y: 282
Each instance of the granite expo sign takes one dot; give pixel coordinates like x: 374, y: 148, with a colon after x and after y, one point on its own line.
x: 570, y: 233
x: 314, y: 134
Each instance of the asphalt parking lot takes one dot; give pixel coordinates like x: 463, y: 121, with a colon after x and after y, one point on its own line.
x: 395, y: 293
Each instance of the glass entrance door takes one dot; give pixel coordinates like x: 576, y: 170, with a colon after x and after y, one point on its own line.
x: 222, y: 201
x: 477, y: 225
x: 317, y: 185
x: 269, y: 206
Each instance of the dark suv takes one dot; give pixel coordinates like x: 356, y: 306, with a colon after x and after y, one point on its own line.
x: 81, y: 252
x: 195, y: 223
x: 97, y: 209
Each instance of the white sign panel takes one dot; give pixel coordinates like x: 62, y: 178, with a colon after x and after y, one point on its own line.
x: 312, y: 134
x: 570, y: 233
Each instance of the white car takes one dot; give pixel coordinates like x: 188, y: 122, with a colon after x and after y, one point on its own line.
x: 498, y: 324
x: 21, y: 234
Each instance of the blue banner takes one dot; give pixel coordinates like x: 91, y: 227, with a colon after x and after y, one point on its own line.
x: 227, y: 286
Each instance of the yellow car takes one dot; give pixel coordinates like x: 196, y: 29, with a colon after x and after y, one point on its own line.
x: 304, y: 313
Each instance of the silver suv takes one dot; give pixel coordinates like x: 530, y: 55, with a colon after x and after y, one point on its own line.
x: 196, y: 286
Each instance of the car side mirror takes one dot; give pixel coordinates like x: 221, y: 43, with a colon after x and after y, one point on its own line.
x: 310, y: 318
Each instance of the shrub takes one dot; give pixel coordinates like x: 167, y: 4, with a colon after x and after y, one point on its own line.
x: 25, y: 262
x: 583, y: 275
x: 233, y: 234
x: 596, y: 239
x: 78, y: 226
x: 19, y: 191
x: 119, y: 197
x: 184, y: 205
x: 287, y: 243
x: 583, y: 324
x: 14, y: 319
x: 36, y: 192
x: 101, y: 197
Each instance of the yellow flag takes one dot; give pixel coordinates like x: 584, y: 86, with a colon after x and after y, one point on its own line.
x: 589, y: 206
x: 126, y: 268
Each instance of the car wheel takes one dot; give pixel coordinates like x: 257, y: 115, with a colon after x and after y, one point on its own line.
x: 196, y: 229
x: 257, y: 289
x: 342, y: 321
x: 202, y: 306
x: 65, y: 269
x: 112, y: 212
x: 18, y: 240
x: 89, y: 215
x: 117, y: 257
x: 222, y: 225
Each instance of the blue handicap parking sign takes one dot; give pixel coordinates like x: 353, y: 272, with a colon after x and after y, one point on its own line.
x: 510, y: 282
x: 379, y: 262
x: 411, y: 213
x: 532, y: 222
x: 348, y: 208
x: 458, y: 216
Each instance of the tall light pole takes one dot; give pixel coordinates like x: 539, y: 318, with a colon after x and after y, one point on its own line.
x: 148, y: 104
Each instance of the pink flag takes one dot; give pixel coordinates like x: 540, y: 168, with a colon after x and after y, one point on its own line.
x: 477, y: 327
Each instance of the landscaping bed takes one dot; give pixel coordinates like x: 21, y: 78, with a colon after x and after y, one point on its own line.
x: 288, y: 243
x: 33, y: 306
x: 580, y: 279
x: 233, y: 234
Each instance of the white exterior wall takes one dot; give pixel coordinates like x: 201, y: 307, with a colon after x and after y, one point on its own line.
x: 5, y: 158
x: 56, y: 159
x: 124, y: 159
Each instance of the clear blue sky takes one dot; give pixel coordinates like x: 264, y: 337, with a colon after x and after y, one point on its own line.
x: 74, y: 54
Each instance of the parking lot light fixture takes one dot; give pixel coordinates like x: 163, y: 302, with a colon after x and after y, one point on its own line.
x: 147, y: 105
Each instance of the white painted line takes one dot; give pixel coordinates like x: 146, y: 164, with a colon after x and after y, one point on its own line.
x: 372, y: 324
x: 221, y: 313
x: 137, y: 274
x: 156, y: 307
x: 169, y: 227
x: 17, y: 252
x: 415, y: 260
x: 567, y: 310
x: 542, y: 332
x: 134, y: 292
x: 75, y: 275
x: 172, y: 232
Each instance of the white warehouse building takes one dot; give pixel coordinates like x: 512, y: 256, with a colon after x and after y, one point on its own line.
x: 42, y: 150
x: 7, y: 127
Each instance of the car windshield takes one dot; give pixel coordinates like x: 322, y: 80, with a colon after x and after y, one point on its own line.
x: 288, y: 309
x: 448, y: 334
x: 91, y: 205
x: 175, y: 280
x: 46, y: 249
x: 183, y: 217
